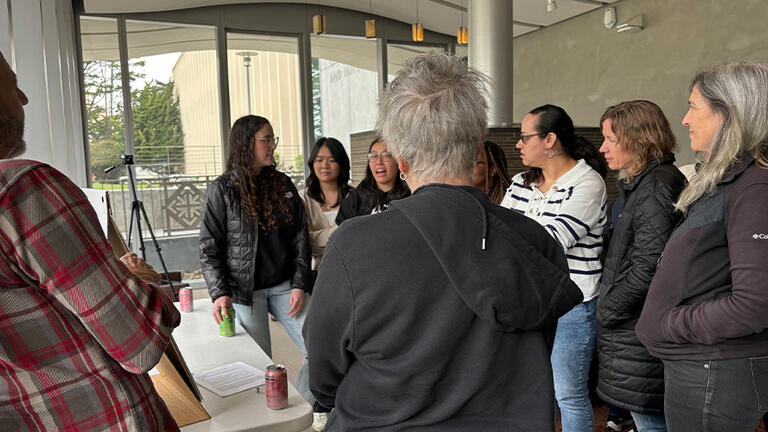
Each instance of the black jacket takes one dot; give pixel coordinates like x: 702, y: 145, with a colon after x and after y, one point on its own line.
x: 708, y: 299
x: 629, y: 376
x: 419, y: 328
x: 228, y: 243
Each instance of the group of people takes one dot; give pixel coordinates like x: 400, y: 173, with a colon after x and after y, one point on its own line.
x: 464, y: 299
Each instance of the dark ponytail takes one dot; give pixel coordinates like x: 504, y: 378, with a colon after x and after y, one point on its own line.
x: 552, y: 118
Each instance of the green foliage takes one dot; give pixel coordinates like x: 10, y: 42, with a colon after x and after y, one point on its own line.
x: 276, y: 155
x: 157, y: 132
x: 299, y: 162
x: 105, y: 153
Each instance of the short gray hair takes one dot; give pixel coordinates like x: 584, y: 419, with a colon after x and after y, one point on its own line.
x: 434, y: 114
x: 737, y: 91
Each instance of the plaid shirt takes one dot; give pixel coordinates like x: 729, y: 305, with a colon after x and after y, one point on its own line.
x: 78, y: 331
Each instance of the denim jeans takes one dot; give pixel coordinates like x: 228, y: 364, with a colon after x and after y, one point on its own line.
x: 255, y: 321
x: 649, y: 423
x: 571, y: 356
x: 716, y: 395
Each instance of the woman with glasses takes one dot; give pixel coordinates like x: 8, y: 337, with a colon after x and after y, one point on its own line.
x: 254, y: 246
x: 639, y: 142
x: 490, y: 174
x: 381, y: 184
x: 564, y: 191
x: 706, y: 313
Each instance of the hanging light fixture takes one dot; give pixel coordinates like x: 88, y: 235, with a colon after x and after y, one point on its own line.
x: 417, y: 29
x: 551, y: 5
x: 318, y: 23
x: 462, y: 35
x: 370, y: 24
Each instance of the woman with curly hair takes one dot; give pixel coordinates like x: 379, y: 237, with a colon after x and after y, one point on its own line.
x: 254, y: 246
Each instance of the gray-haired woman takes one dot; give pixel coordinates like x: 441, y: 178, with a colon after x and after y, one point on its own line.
x: 443, y: 318
x: 707, y: 307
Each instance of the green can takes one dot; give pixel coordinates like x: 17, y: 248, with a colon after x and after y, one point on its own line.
x: 227, y: 324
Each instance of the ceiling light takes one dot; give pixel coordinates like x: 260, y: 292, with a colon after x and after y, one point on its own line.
x: 318, y: 24
x: 551, y: 5
x: 462, y: 36
x: 417, y: 29
x: 370, y: 24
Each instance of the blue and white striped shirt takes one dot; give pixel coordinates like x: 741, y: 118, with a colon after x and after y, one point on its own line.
x: 573, y: 212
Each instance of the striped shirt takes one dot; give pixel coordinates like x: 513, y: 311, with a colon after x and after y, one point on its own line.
x: 78, y: 331
x: 573, y: 212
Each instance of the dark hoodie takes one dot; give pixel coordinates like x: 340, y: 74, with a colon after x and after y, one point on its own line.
x: 418, y: 323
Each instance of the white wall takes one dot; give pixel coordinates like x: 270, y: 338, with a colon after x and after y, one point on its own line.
x: 37, y: 38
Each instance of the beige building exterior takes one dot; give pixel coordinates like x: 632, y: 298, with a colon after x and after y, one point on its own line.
x: 274, y: 94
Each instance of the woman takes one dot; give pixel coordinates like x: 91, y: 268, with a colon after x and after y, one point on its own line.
x: 437, y: 314
x: 564, y: 191
x: 381, y: 184
x: 490, y: 174
x: 326, y: 188
x: 707, y: 308
x: 254, y: 247
x: 638, y: 141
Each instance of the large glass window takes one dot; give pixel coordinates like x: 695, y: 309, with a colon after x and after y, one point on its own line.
x: 399, y: 52
x: 103, y: 97
x: 344, y: 86
x: 176, y: 137
x: 264, y: 81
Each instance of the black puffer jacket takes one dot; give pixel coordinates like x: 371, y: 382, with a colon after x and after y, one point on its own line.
x: 228, y: 242
x: 629, y: 376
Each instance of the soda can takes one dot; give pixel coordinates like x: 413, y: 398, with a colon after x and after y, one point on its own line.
x: 276, y: 386
x: 185, y: 300
x: 227, y: 324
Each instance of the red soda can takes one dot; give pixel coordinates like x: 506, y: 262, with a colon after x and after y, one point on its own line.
x: 185, y: 300
x: 276, y: 383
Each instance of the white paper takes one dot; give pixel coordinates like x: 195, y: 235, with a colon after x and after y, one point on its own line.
x: 230, y: 378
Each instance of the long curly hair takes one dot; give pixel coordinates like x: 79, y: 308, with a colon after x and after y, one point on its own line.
x: 262, y: 194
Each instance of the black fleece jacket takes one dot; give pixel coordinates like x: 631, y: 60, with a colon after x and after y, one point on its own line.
x: 438, y: 314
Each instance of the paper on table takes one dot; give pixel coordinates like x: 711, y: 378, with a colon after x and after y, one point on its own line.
x: 230, y: 378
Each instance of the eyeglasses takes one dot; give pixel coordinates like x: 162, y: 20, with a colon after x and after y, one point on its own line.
x: 385, y: 155
x: 524, y: 138
x: 270, y: 141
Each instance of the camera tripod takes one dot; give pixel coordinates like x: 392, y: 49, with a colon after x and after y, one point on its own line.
x: 137, y: 213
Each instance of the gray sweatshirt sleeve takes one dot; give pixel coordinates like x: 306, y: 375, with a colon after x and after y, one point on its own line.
x: 329, y: 328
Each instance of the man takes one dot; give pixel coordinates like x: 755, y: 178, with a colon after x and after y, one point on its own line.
x: 438, y: 314
x: 78, y: 331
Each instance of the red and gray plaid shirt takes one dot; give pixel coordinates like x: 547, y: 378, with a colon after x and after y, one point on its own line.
x: 78, y: 331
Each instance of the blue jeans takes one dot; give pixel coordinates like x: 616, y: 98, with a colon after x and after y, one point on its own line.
x: 649, y: 423
x: 715, y: 395
x: 571, y: 356
x: 255, y: 321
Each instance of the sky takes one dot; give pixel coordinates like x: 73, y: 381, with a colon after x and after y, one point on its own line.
x: 157, y: 67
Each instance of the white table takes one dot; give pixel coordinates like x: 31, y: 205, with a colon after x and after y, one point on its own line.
x: 202, y: 347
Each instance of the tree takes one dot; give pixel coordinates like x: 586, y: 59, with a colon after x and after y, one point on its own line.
x: 157, y: 131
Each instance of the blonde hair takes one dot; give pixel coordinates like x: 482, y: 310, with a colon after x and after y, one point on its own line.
x: 737, y: 92
x: 642, y: 129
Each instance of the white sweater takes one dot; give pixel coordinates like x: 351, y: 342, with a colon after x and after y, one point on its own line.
x: 573, y: 212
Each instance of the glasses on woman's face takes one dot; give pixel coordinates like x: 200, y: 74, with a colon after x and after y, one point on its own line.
x: 270, y: 141
x: 525, y: 138
x: 385, y: 156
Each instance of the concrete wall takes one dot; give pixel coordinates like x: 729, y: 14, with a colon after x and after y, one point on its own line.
x: 37, y: 40
x: 584, y: 67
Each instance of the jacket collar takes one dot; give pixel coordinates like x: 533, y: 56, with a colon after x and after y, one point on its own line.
x: 667, y: 159
x: 737, y: 167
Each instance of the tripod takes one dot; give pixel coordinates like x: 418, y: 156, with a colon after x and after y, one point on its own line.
x: 137, y: 213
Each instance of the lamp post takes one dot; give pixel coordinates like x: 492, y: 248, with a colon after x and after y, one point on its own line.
x: 246, y: 55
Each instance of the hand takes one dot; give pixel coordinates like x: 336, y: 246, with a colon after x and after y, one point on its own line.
x: 296, y: 301
x: 140, y: 268
x: 220, y: 307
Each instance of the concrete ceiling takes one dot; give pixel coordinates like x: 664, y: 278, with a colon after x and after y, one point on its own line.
x: 442, y: 16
